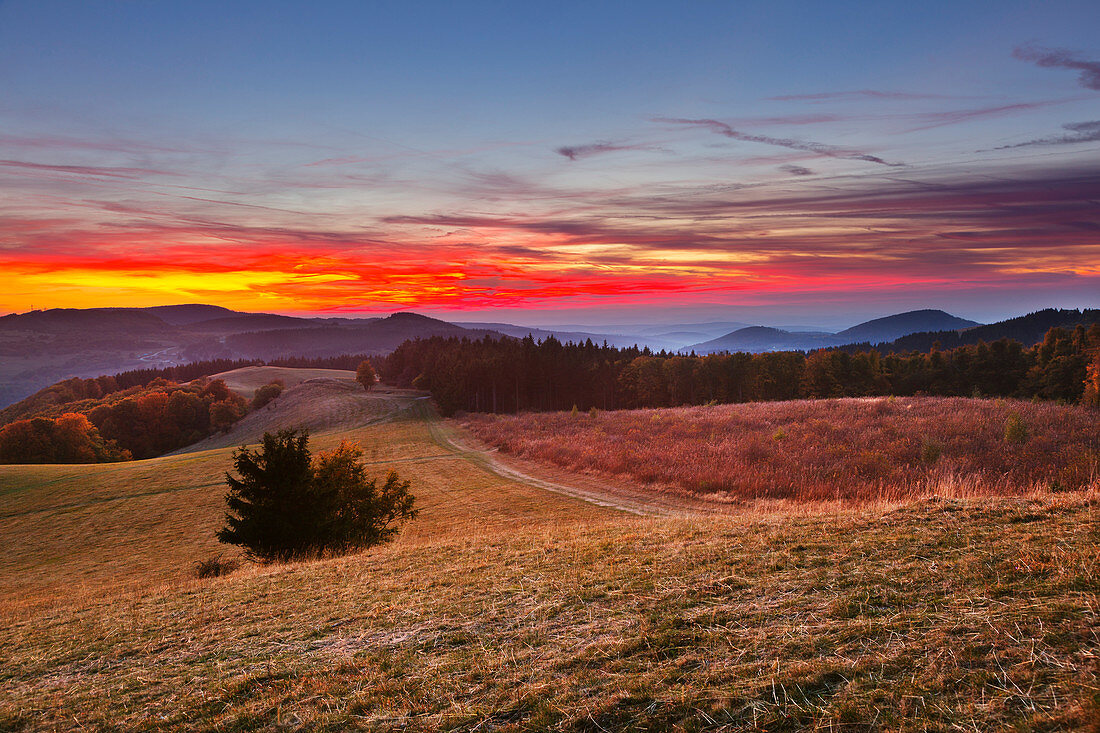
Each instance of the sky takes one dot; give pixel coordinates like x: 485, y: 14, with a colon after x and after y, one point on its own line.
x: 597, y: 162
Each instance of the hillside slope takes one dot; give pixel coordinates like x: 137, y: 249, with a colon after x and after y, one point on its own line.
x: 72, y: 531
x: 317, y: 404
x: 246, y: 380
x: 40, y: 348
x: 756, y: 339
x: 1028, y: 330
x: 892, y: 327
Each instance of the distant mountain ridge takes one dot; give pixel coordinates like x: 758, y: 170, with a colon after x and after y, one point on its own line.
x: 1027, y: 329
x: 893, y: 327
x: 40, y: 348
x: 888, y: 328
x: 656, y: 342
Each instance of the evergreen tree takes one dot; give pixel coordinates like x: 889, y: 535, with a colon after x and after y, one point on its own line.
x: 285, y: 505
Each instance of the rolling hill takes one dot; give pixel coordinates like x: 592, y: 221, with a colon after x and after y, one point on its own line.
x: 1028, y: 330
x: 41, y: 348
x: 760, y: 338
x: 894, y: 327
x: 763, y: 338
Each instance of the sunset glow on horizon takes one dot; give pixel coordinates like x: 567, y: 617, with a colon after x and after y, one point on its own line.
x: 347, y: 161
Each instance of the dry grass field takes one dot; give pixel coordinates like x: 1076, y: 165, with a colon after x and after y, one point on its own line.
x: 870, y: 449
x: 87, y: 530
x: 507, y: 607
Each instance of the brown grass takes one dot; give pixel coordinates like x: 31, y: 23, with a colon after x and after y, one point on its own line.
x: 941, y: 616
x: 854, y: 449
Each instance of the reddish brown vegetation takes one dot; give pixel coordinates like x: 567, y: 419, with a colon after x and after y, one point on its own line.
x: 68, y: 439
x: 140, y: 422
x: 863, y: 449
x: 165, y: 416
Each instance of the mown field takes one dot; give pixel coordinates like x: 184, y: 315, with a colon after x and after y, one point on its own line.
x: 863, y: 449
x: 506, y: 607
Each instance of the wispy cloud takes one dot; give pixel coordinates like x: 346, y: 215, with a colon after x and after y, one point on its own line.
x: 829, y: 151
x: 337, y: 161
x: 816, y: 119
x: 1078, y: 132
x: 929, y: 120
x: 576, y: 152
x: 872, y: 233
x: 1060, y: 58
x: 796, y: 170
x: 857, y: 94
x: 60, y: 142
x: 86, y: 170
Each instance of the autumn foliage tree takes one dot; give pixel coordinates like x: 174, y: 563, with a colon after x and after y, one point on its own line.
x: 365, y: 375
x: 286, y: 505
x: 165, y: 416
x: 70, y: 438
x: 1091, y: 395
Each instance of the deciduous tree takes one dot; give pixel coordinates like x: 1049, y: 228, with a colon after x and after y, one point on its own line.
x: 366, y: 375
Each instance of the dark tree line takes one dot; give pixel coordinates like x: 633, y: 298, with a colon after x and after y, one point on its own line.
x: 511, y: 375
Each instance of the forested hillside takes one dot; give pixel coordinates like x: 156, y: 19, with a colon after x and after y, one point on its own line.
x: 103, y: 423
x: 1028, y: 330
x: 506, y: 375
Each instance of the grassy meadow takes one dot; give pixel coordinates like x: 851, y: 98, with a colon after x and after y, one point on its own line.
x: 508, y: 607
x: 858, y: 449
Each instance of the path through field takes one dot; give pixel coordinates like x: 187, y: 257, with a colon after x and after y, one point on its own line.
x: 586, y: 488
x: 331, y: 401
x: 75, y: 530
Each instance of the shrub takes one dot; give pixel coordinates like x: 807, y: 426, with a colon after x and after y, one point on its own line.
x: 1016, y: 429
x: 215, y: 567
x: 930, y: 451
x: 266, y: 394
x: 286, y: 505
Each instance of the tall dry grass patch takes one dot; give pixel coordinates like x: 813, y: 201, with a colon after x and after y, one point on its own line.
x: 816, y: 450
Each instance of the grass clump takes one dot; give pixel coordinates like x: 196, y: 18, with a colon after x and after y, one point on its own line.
x: 215, y: 567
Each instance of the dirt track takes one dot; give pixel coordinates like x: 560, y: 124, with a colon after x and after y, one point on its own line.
x: 595, y: 491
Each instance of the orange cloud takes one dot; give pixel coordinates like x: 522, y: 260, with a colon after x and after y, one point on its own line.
x: 850, y: 238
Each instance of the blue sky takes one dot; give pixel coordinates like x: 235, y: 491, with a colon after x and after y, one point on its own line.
x: 554, y: 161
